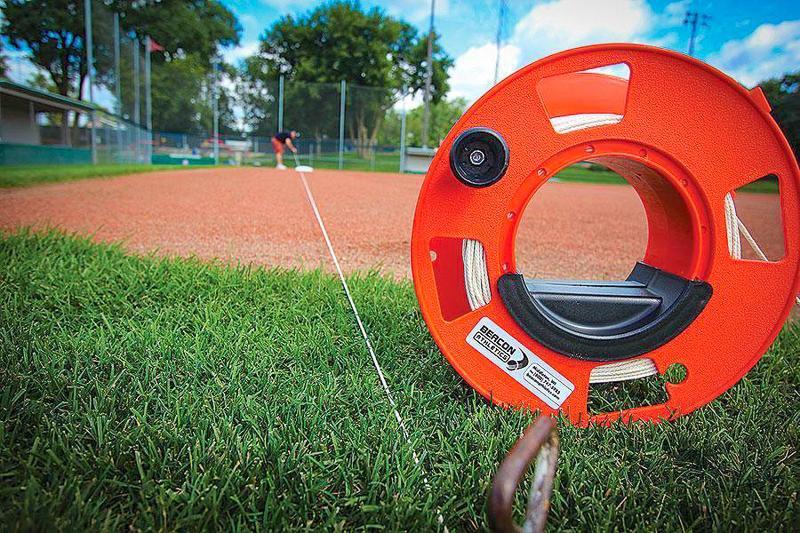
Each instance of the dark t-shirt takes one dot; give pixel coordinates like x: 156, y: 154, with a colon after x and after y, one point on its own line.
x: 282, y: 136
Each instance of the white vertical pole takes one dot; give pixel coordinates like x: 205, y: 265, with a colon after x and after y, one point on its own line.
x: 87, y: 14
x: 117, y: 85
x: 148, y: 101
x: 137, y: 112
x: 280, y: 103
x: 426, y: 117
x: 403, y: 133
x: 341, y: 125
x: 215, y: 107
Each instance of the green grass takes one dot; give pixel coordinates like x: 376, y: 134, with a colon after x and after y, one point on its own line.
x: 144, y: 393
x: 585, y: 175
x: 24, y: 176
x: 382, y: 162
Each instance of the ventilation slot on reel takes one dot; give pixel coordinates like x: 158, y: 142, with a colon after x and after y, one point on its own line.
x: 601, y: 107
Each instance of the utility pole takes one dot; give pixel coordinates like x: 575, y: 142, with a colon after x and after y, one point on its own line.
x: 501, y: 16
x: 426, y: 118
x: 694, y: 19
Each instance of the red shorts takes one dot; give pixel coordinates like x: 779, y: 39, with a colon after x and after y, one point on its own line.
x: 277, y: 146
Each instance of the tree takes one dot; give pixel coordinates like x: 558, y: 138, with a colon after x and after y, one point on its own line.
x: 444, y: 114
x: 182, y: 27
x: 341, y: 41
x: 52, y: 31
x: 3, y: 66
x: 784, y: 97
x: 258, y: 96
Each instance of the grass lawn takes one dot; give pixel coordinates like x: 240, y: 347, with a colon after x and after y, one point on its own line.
x: 146, y: 393
x: 584, y: 175
x: 23, y: 176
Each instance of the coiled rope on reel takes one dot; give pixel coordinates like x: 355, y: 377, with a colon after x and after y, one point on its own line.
x: 527, y: 342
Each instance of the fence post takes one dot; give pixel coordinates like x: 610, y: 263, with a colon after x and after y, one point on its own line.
x: 148, y: 104
x: 280, y: 103
x: 118, y: 86
x: 403, y: 133
x: 215, y: 106
x: 341, y: 126
x: 137, y: 111
x: 87, y: 14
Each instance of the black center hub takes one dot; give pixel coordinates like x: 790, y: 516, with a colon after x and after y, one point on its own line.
x: 479, y: 157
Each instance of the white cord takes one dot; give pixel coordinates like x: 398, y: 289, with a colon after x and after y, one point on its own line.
x: 479, y: 293
x: 376, y: 364
x: 570, y: 123
x: 476, y: 277
x: 736, y: 229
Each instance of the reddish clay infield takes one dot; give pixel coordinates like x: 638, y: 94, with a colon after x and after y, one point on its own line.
x: 261, y: 216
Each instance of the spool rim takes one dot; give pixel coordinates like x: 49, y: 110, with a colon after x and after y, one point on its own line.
x: 736, y: 282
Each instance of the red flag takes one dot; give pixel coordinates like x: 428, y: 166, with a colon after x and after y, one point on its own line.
x: 155, y: 47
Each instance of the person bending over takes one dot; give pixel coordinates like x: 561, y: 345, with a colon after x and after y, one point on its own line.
x: 279, y: 141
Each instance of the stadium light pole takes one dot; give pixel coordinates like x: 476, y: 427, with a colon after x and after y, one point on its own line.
x: 87, y: 14
x: 426, y: 117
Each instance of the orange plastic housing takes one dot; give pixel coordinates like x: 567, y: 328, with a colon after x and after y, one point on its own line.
x: 689, y: 135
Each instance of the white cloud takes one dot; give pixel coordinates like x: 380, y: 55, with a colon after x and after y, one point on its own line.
x: 771, y: 50
x: 561, y: 24
x: 234, y: 55
x: 675, y: 12
x: 549, y: 27
x: 416, y: 11
x: 473, y: 71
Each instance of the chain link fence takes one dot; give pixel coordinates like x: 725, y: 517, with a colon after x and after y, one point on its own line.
x: 109, y: 119
x: 341, y: 126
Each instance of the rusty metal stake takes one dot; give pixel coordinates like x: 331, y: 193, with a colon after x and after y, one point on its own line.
x: 540, y: 442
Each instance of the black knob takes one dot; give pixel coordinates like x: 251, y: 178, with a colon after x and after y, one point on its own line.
x: 479, y: 157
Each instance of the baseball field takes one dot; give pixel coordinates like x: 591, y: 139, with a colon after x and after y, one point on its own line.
x: 176, y: 353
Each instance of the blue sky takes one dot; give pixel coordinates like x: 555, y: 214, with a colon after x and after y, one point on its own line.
x: 748, y: 40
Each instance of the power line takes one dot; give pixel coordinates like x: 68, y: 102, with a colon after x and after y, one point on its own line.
x: 693, y: 19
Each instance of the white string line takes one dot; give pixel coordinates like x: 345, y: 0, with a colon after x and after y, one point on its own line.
x: 375, y: 362
x: 736, y: 228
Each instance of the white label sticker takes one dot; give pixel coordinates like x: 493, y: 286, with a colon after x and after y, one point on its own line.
x: 520, y: 363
